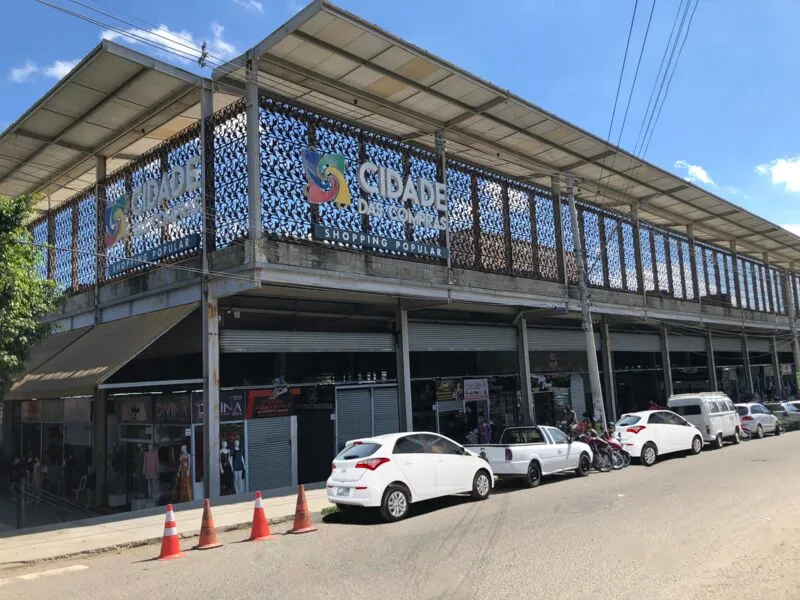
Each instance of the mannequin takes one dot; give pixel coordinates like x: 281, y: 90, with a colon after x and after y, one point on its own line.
x: 183, y: 488
x: 239, y: 467
x: 150, y: 470
x: 225, y: 470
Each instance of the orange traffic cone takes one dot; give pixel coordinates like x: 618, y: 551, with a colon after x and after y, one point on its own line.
x: 170, y: 545
x: 260, y: 531
x: 208, y: 533
x: 302, y: 516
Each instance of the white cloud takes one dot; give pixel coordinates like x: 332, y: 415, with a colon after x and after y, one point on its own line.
x: 180, y: 45
x: 783, y: 171
x: 21, y: 74
x: 794, y: 228
x: 60, y: 68
x: 696, y: 173
x: 250, y: 5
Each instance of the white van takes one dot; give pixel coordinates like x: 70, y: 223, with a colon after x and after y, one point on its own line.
x: 712, y: 413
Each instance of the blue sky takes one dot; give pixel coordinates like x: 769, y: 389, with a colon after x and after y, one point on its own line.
x: 730, y: 122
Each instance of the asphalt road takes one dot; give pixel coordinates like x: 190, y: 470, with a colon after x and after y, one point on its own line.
x: 723, y: 524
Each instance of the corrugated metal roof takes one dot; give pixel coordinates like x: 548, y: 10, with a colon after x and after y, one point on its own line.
x: 96, y: 355
x: 116, y: 102
x: 336, y: 62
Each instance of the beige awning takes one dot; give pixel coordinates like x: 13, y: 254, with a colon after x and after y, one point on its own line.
x: 50, y: 346
x: 96, y: 355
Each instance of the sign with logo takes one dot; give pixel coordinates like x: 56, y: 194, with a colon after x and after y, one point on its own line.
x: 171, y: 408
x: 325, y: 174
x: 31, y: 411
x: 135, y: 409
x: 315, y: 398
x: 77, y: 410
x: 151, y: 206
x: 270, y: 403
x: 232, y: 405
x: 476, y: 390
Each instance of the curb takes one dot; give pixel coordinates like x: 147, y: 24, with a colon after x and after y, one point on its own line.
x: 316, y: 517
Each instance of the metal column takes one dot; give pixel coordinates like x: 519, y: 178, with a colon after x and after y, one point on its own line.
x: 100, y: 258
x: 402, y: 354
x: 209, y: 316
x: 524, y: 358
x: 776, y: 368
x: 99, y: 446
x: 712, y: 364
x: 254, y: 225
x: 441, y: 175
x: 588, y: 327
x: 791, y: 311
x: 608, y: 369
x: 561, y: 263
x: 748, y: 373
x: 665, y: 360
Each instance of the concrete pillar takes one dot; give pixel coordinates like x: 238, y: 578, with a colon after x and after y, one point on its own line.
x: 403, y: 369
x: 693, y: 263
x: 712, y: 364
x: 555, y: 188
x: 637, y: 248
x: 791, y: 311
x: 609, y: 379
x: 255, y: 228
x: 748, y: 374
x: 776, y: 368
x: 524, y: 358
x: 737, y: 291
x: 209, y: 308
x: 99, y: 446
x: 100, y: 257
x: 665, y: 361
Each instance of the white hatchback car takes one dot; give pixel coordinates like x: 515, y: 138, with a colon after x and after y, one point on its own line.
x: 392, y: 471
x: 653, y: 433
x: 757, y: 419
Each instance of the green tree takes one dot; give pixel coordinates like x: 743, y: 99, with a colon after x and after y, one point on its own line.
x: 25, y: 298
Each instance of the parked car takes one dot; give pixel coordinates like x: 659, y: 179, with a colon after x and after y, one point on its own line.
x: 393, y: 471
x: 528, y: 453
x: 758, y: 420
x: 652, y: 433
x: 712, y: 413
x: 788, y: 414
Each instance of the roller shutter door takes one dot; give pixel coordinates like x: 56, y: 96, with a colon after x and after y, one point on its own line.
x: 433, y: 337
x: 240, y: 340
x: 758, y: 345
x: 729, y: 344
x: 559, y: 340
x: 269, y: 453
x: 384, y: 410
x: 635, y: 342
x: 783, y: 345
x: 577, y: 395
x: 686, y: 343
x: 353, y: 415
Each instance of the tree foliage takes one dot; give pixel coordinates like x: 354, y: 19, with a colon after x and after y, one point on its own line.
x: 25, y: 298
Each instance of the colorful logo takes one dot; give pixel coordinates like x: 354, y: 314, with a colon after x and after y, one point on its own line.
x: 325, y: 174
x: 116, y: 221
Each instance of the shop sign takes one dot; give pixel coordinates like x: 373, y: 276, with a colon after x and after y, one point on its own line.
x: 232, y: 406
x: 135, y: 409
x: 150, y: 207
x: 476, y: 390
x: 312, y: 399
x: 31, y: 411
x: 171, y: 408
x: 325, y: 174
x: 786, y: 369
x: 53, y: 410
x: 270, y: 402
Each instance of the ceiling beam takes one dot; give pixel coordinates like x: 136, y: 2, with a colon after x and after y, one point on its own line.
x: 588, y: 160
x: 52, y: 141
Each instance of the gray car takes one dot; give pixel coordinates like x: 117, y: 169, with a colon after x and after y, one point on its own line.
x: 757, y: 419
x: 787, y: 412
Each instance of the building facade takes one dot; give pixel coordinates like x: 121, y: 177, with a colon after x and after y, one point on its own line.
x: 338, y: 235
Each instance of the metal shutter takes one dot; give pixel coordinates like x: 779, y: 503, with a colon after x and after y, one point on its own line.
x: 686, y: 343
x: 384, y: 410
x: 635, y: 342
x: 758, y: 345
x: 353, y: 414
x: 577, y: 395
x: 426, y: 337
x: 559, y: 340
x: 239, y: 340
x: 269, y: 453
x: 729, y: 344
x: 783, y: 345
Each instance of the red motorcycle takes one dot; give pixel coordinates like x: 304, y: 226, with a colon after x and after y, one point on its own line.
x: 602, y: 455
x: 622, y: 458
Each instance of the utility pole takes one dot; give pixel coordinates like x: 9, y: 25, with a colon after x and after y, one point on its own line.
x: 588, y: 327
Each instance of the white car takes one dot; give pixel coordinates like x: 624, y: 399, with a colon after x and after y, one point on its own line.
x: 653, y: 433
x: 757, y: 419
x: 392, y: 471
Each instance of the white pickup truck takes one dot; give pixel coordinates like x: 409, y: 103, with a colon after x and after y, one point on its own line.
x: 528, y: 453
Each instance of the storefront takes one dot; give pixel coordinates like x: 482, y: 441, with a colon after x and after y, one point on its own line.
x: 638, y: 370
x: 762, y: 368
x: 729, y: 360
x: 689, y: 361
x: 232, y: 431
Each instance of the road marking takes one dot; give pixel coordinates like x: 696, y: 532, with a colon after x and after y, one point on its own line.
x: 50, y: 573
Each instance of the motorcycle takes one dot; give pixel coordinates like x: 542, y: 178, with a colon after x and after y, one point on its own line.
x: 621, y: 458
x: 603, y: 457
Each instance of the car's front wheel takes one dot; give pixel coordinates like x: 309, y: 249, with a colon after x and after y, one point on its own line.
x: 395, y: 503
x: 649, y: 454
x: 481, y: 485
x: 697, y: 444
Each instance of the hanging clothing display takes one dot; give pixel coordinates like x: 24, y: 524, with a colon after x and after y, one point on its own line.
x: 183, y: 491
x: 151, y: 464
x: 227, y: 475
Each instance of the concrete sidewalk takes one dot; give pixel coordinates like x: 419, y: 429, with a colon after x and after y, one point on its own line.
x: 147, y: 526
